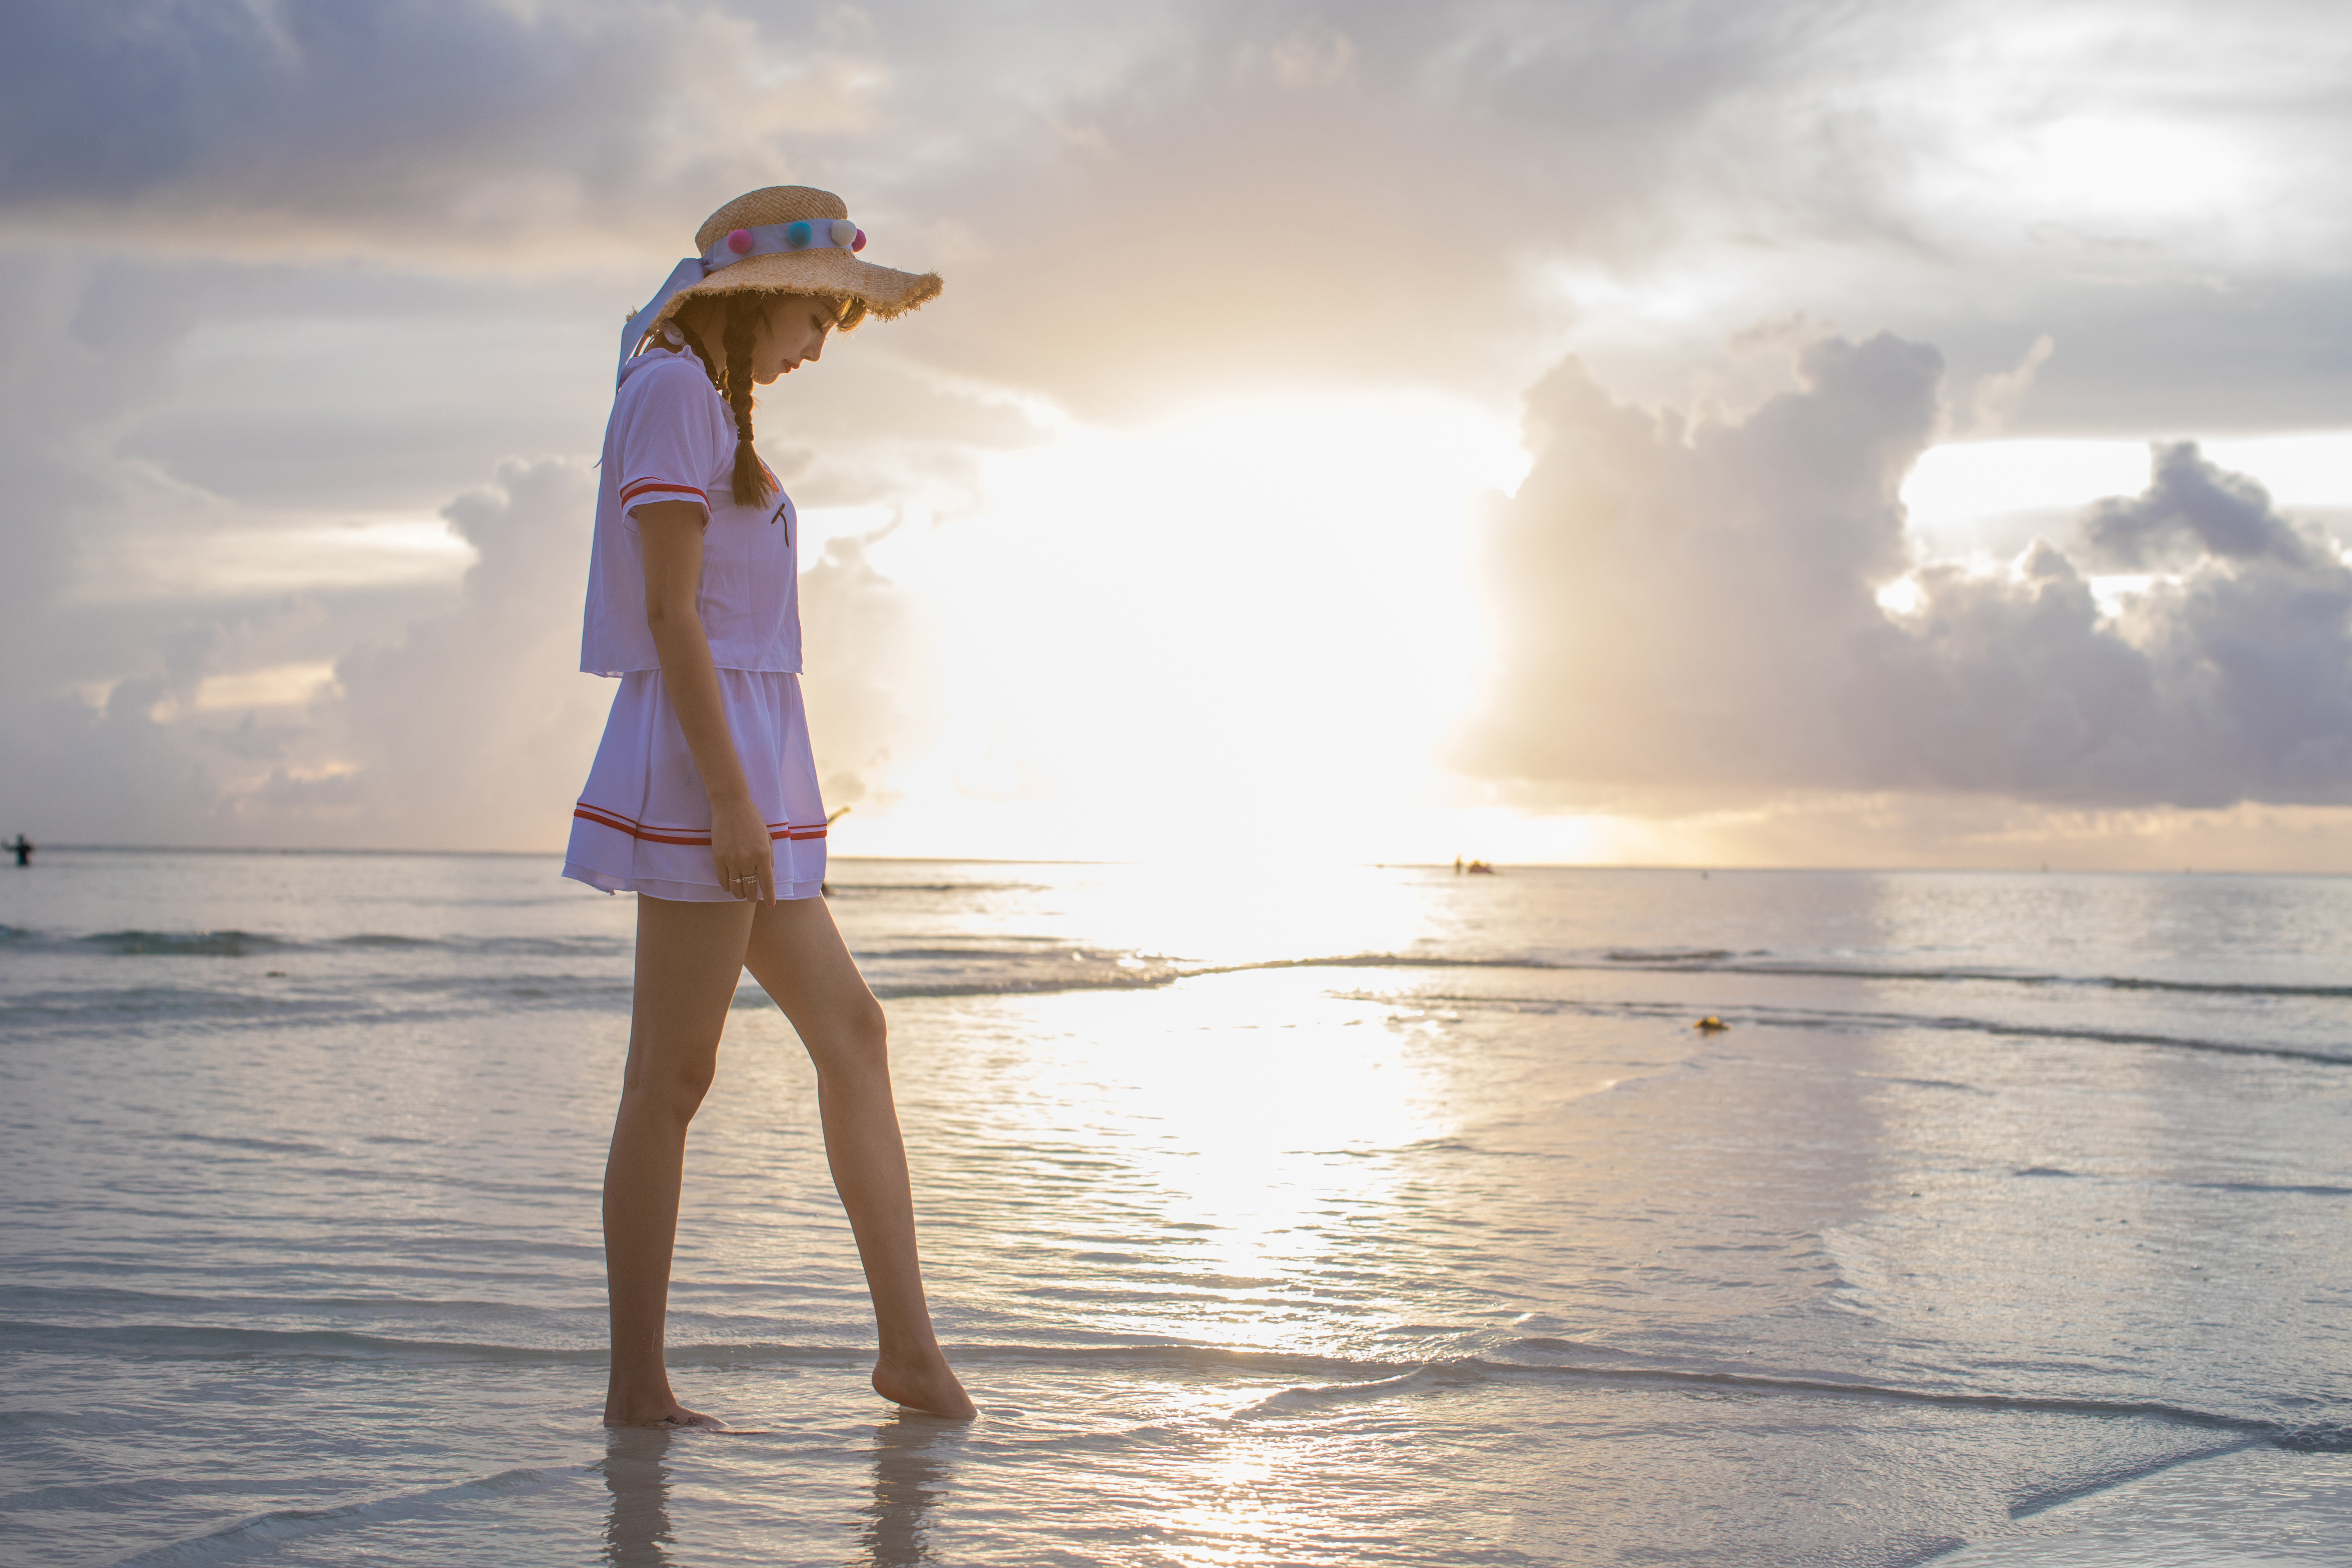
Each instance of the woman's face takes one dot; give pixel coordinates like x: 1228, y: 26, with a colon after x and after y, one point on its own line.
x: 791, y: 335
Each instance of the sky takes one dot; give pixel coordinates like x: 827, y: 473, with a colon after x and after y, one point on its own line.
x: 1748, y: 432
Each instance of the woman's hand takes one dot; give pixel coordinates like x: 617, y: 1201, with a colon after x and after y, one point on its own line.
x: 742, y: 851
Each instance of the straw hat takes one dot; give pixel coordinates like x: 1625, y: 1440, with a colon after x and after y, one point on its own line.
x: 783, y: 239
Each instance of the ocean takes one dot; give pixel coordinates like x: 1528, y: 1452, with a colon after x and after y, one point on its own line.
x: 1273, y: 1216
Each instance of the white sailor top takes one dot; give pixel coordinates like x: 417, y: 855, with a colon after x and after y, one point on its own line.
x: 672, y: 438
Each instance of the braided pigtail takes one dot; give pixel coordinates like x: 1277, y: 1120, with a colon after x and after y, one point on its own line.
x: 744, y: 312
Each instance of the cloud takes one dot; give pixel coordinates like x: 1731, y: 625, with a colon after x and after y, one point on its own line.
x: 309, y: 102
x: 1694, y: 612
x: 473, y: 730
x: 1992, y: 404
x: 872, y: 688
x: 1133, y: 202
x: 274, y: 267
x: 2191, y: 509
x: 469, y: 728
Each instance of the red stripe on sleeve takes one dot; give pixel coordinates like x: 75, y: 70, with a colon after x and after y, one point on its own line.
x: 649, y: 487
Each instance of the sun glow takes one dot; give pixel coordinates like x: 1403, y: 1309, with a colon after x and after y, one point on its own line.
x: 1250, y: 635
x: 1251, y: 627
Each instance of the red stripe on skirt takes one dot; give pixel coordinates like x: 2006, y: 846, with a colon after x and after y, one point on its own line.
x: 635, y: 829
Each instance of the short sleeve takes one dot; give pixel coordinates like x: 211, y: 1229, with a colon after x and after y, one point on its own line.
x: 671, y: 443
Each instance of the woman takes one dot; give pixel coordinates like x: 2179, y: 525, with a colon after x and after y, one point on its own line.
x: 703, y: 797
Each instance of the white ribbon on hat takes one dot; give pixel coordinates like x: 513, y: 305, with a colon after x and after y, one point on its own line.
x: 767, y: 240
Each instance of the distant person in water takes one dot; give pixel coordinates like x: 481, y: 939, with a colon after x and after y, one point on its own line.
x: 703, y: 797
x: 24, y: 848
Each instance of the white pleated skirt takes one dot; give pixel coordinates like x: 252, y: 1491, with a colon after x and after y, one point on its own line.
x: 643, y: 825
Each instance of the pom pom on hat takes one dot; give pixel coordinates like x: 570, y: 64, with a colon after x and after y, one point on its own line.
x: 818, y: 256
x: 732, y: 256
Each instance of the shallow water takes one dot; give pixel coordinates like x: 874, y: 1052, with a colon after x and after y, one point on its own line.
x: 1360, y: 1217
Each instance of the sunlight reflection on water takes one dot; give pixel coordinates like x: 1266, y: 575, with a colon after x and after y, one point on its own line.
x: 1455, y: 1245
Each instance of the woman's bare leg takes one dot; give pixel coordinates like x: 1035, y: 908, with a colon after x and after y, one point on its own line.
x: 689, y: 957
x: 798, y: 957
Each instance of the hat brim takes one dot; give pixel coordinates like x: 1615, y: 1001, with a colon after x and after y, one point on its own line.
x: 884, y: 290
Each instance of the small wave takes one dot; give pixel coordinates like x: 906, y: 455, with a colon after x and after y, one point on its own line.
x: 190, y: 1342
x: 1158, y: 968
x: 1329, y: 1396
x: 266, y: 1530
x: 2115, y: 1037
x: 1008, y: 949
x: 378, y: 999
x: 1718, y: 961
x: 1008, y: 966
x: 1323, y: 1379
x: 232, y: 943
x: 256, y: 1146
x: 1341, y: 1381
x: 2219, y: 987
x: 1022, y: 985
x: 2257, y: 1428
x: 2316, y: 1439
x: 2103, y: 1477
x: 1926, y: 1082
x: 1958, y: 973
x: 183, y: 943
x: 835, y: 889
x: 1678, y: 957
x: 484, y: 946
x: 751, y: 998
x: 1822, y: 1018
x: 198, y: 1341
x: 174, y: 1004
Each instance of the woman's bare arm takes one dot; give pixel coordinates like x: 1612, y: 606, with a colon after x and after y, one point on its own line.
x: 670, y: 532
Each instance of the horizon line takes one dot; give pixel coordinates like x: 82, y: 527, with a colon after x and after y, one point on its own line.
x: 2029, y: 870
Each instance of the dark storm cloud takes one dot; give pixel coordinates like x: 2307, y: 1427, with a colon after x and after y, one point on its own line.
x: 1696, y: 610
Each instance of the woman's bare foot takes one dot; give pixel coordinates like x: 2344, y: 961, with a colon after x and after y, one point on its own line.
x: 666, y: 1412
x: 927, y: 1385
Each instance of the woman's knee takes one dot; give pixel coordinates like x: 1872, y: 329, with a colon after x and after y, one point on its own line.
x: 852, y: 1039
x: 672, y: 1089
